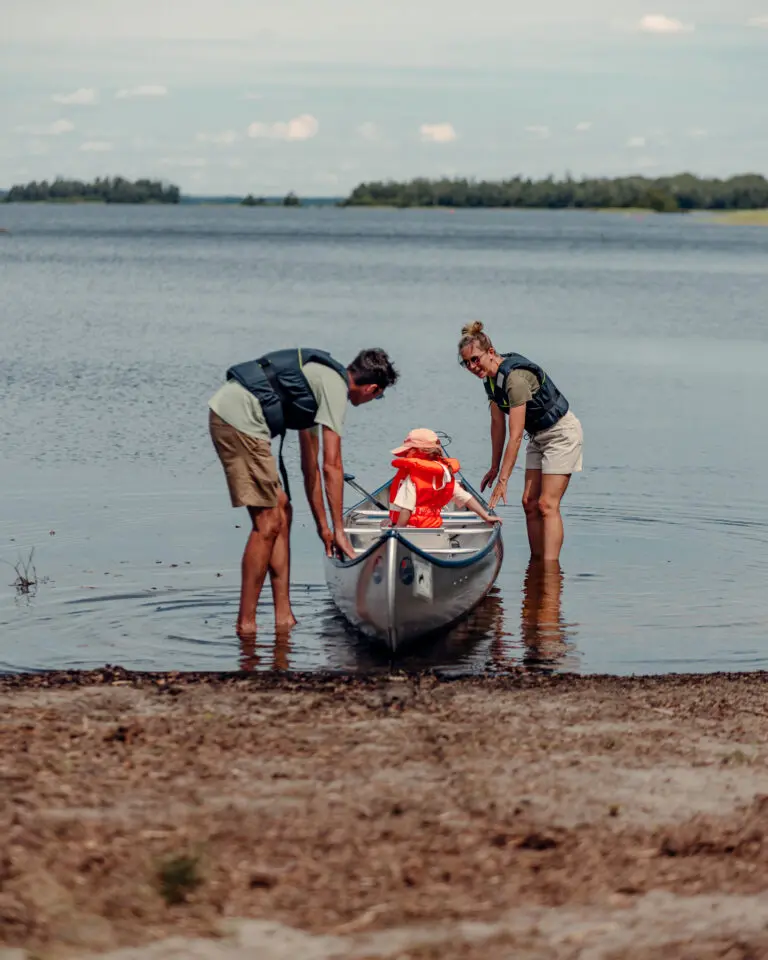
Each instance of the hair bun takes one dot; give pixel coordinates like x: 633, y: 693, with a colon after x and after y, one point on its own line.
x: 472, y: 329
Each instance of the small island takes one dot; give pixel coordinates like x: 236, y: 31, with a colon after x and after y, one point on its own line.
x: 289, y: 200
x: 676, y: 194
x: 102, y: 190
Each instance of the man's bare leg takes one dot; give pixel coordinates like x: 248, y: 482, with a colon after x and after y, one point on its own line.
x: 280, y: 567
x: 256, y: 560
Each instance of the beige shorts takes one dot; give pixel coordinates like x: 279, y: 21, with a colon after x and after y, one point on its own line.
x: 558, y: 449
x: 249, y: 466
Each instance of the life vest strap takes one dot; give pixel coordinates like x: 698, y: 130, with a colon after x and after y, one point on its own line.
x: 271, y: 376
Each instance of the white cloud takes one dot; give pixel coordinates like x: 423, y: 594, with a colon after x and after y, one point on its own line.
x: 224, y: 137
x: 236, y: 163
x: 57, y: 128
x: 369, y: 131
x: 149, y: 90
x: 437, y: 132
x: 658, y: 23
x: 37, y: 148
x: 299, y: 128
x: 697, y: 132
x: 540, y: 131
x: 82, y: 97
x: 583, y: 126
x: 184, y: 162
x: 253, y: 96
x: 636, y: 143
x: 96, y: 146
x: 758, y: 22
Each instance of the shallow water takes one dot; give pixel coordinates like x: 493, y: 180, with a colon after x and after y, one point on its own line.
x: 118, y: 324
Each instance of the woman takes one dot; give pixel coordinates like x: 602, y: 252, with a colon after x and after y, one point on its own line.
x: 520, y: 391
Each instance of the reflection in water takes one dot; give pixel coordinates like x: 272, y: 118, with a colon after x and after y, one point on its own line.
x: 463, y: 648
x: 543, y: 631
x: 479, y: 641
x: 252, y: 654
x: 132, y: 629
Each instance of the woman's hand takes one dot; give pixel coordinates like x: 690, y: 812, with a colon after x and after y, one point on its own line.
x: 499, y: 493
x: 488, y: 478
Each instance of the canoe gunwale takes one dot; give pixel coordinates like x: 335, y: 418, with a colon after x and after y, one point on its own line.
x: 395, y: 533
x: 422, y: 554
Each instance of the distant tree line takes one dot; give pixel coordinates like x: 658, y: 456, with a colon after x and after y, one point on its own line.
x: 666, y: 194
x: 106, y: 190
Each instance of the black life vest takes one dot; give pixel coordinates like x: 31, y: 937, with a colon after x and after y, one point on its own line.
x: 277, y: 381
x: 546, y: 406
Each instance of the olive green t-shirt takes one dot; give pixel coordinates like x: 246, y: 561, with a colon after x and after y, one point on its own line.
x: 521, y: 386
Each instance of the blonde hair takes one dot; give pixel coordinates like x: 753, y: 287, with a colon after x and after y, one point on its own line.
x: 428, y: 452
x: 473, y: 333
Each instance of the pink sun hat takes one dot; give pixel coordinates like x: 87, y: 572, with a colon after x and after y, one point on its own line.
x: 419, y: 439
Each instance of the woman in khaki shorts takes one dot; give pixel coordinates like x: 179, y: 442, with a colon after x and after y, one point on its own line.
x: 519, y: 391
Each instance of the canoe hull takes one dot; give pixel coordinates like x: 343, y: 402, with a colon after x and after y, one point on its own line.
x: 396, y: 592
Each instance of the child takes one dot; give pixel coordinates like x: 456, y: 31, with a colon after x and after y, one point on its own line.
x: 425, y: 483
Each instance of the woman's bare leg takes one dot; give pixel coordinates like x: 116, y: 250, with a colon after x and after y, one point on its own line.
x: 553, y: 486
x: 533, y: 519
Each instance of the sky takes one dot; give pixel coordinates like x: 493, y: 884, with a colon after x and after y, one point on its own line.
x: 239, y: 96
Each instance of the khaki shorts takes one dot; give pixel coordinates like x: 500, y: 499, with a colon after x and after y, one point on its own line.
x: 249, y: 466
x: 558, y: 449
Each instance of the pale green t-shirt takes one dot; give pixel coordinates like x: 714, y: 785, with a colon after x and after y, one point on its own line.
x: 241, y: 410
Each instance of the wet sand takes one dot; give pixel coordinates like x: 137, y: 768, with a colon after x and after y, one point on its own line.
x: 278, y: 817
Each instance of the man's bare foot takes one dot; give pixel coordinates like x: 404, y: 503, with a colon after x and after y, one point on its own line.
x: 245, y: 629
x: 285, y: 622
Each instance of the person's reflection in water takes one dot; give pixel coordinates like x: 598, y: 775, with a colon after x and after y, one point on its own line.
x: 543, y: 631
x: 249, y: 657
x: 281, y: 652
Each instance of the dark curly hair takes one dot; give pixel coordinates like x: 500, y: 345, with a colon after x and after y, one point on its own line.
x: 373, y: 366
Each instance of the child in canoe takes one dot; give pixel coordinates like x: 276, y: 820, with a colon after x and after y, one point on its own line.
x: 425, y: 484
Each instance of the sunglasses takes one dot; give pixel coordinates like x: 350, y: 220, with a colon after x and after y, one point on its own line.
x: 472, y: 361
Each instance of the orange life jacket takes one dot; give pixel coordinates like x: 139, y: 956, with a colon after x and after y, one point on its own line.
x: 432, y: 490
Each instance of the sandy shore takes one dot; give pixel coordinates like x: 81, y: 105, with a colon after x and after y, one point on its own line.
x: 227, y: 817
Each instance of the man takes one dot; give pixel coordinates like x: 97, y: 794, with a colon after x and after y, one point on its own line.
x: 284, y: 390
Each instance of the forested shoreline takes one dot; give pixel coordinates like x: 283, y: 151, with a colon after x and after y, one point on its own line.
x: 101, y: 190
x: 673, y: 194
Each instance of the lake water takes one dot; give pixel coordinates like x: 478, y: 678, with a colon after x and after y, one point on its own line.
x: 117, y: 325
